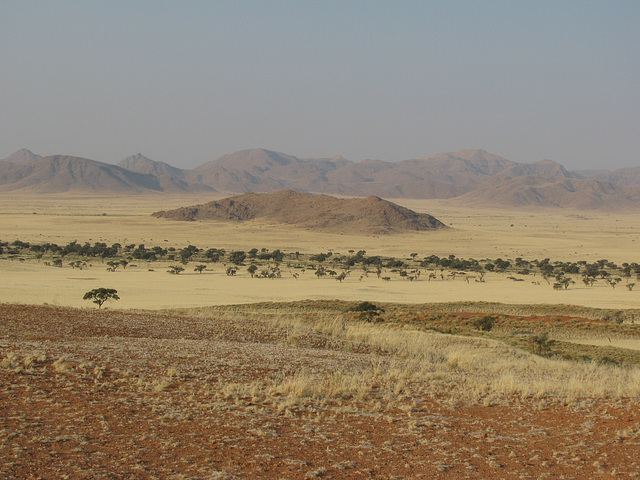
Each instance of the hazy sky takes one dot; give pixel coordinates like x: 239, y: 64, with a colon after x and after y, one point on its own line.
x: 186, y: 82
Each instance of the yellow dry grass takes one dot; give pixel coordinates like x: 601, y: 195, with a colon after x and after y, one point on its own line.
x: 607, y: 341
x: 475, y: 233
x: 463, y: 367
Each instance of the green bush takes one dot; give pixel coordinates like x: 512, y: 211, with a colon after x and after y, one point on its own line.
x: 368, y: 311
x: 485, y: 323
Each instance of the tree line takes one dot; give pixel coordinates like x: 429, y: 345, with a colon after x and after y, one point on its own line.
x: 266, y: 263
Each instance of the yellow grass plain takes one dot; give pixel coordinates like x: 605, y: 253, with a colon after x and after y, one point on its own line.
x: 474, y: 233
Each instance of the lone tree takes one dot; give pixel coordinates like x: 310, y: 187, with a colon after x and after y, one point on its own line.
x: 200, y: 268
x: 101, y: 295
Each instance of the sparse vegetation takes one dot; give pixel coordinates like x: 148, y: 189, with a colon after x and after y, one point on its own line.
x: 541, y: 343
x: 265, y: 264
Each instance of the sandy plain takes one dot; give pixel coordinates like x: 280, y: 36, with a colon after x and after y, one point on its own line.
x: 474, y: 233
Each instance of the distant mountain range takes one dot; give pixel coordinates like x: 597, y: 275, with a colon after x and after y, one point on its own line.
x: 470, y: 177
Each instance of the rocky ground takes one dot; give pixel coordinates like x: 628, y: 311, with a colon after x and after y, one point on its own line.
x: 113, y: 394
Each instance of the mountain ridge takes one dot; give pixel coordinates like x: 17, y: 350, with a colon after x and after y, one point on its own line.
x: 21, y: 157
x: 471, y: 176
x: 63, y: 173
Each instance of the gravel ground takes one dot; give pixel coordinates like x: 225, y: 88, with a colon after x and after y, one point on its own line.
x: 112, y: 394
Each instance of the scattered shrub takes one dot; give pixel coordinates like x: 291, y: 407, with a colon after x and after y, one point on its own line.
x: 485, y: 323
x: 368, y: 311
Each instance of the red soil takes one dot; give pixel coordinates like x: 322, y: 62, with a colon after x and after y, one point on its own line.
x: 114, y: 421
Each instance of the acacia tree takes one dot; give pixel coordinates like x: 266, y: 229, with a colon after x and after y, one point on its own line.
x: 113, y: 265
x: 562, y: 282
x: 614, y: 281
x: 252, y: 270
x: 368, y: 311
x: 175, y: 269
x: 200, y: 268
x: 101, y: 295
x: 237, y: 257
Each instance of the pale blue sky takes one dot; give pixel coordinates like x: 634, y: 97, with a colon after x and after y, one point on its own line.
x: 186, y: 82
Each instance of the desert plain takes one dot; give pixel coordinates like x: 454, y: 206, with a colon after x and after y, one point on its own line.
x: 209, y: 375
x: 474, y: 233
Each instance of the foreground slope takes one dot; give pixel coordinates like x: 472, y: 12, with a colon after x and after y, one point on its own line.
x: 364, y: 215
x: 296, y: 392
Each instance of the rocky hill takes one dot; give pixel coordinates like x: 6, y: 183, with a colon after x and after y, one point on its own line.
x: 322, y: 212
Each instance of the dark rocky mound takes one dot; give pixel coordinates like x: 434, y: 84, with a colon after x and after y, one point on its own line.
x: 321, y: 212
